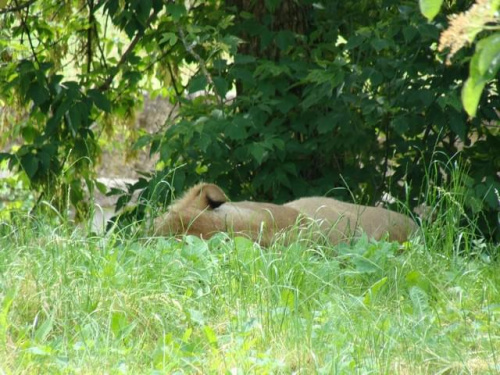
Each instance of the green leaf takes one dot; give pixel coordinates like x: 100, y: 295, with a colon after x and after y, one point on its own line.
x: 364, y: 265
x: 176, y: 11
x: 144, y: 9
x: 416, y: 278
x: 321, y: 93
x: 169, y: 38
x: 419, y: 299
x: 101, y: 187
x: 430, y: 8
x: 210, y: 335
x: 231, y: 42
x: 471, y: 93
x: 142, y: 141
x: 187, y: 334
x: 43, y: 330
x: 197, y: 83
x: 400, y: 124
x: 221, y: 86
x: 237, y: 129
x: 334, y: 76
x: 39, y: 350
x: 118, y: 322
x: 373, y: 291
x: 409, y: 33
x: 284, y: 39
x: 75, y: 118
x: 354, y: 41
x: 29, y: 163
x: 99, y: 100
x: 327, y: 123
x: 457, y: 124
x: 53, y: 122
x: 258, y: 152
x: 38, y: 93
x: 380, y: 44
x: 375, y: 77
x: 29, y: 133
x: 489, y: 56
x: 44, y: 160
x: 165, y: 151
x: 268, y: 69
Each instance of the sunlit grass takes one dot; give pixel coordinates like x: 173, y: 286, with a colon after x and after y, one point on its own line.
x: 72, y: 302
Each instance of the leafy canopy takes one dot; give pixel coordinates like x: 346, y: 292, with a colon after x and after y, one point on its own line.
x: 277, y: 99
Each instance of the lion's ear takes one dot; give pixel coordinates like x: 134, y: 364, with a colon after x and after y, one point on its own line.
x: 200, y: 197
x: 212, y: 196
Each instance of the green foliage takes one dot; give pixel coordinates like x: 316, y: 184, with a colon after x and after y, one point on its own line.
x: 364, y: 105
x: 483, y: 68
x: 277, y: 99
x: 463, y: 29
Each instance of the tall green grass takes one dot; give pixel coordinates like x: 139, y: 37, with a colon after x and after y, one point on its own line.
x: 75, y: 303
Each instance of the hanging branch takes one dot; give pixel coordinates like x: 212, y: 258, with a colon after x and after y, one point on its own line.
x: 18, y: 7
x: 99, y: 47
x: 26, y: 28
x: 89, y: 35
x: 107, y: 83
x: 190, y: 50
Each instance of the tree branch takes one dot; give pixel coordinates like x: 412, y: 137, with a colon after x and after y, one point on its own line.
x: 89, y: 35
x: 26, y: 28
x: 18, y: 7
x: 123, y: 59
x: 98, y: 42
x: 203, y: 67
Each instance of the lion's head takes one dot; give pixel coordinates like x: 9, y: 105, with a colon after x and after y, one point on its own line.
x: 205, y: 210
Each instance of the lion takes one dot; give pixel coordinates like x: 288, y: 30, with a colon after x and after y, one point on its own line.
x: 205, y: 210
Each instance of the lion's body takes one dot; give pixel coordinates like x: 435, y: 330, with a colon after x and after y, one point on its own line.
x: 340, y: 221
x: 205, y: 210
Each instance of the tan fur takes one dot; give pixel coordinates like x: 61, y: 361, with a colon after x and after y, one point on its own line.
x: 340, y: 220
x: 205, y: 210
